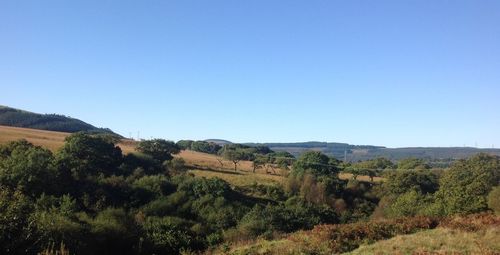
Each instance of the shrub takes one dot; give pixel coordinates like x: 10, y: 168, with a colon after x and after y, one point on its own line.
x: 494, y: 200
x: 114, y: 231
x: 168, y: 235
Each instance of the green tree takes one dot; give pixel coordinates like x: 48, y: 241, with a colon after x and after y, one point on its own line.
x: 27, y: 167
x: 465, y: 187
x: 412, y: 163
x: 411, y: 203
x: 237, y: 152
x: 205, y: 147
x: 86, y: 155
x: 159, y: 149
x: 184, y: 144
x: 400, y: 182
x: 317, y: 163
x: 16, y: 232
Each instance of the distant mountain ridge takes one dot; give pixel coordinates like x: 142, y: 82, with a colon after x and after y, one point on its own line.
x: 353, y: 153
x: 53, y: 122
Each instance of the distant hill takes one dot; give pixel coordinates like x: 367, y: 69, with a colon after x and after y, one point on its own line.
x: 53, y: 122
x: 438, y: 156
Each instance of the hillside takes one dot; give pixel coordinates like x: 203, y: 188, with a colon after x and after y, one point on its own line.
x: 472, y: 234
x: 52, y: 122
x: 49, y: 139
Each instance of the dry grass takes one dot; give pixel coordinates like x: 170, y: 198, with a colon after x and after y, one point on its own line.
x: 451, y: 237
x: 199, y: 160
x: 49, y: 139
x: 438, y: 241
x: 240, y: 179
x: 205, y: 160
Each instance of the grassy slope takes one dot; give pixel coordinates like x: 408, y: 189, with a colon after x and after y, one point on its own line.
x: 49, y: 139
x: 439, y: 241
x: 473, y: 234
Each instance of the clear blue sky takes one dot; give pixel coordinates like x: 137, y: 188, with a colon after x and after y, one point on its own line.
x: 394, y: 73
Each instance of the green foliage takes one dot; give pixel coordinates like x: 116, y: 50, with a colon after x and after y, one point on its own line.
x: 316, y: 163
x: 84, y: 155
x: 412, y: 164
x: 465, y: 187
x: 56, y: 222
x: 199, y: 187
x: 290, y: 216
x: 175, y: 166
x: 494, y: 200
x: 159, y: 149
x: 167, y: 235
x: 205, y: 147
x: 374, y: 164
x: 15, y: 231
x: 399, y: 182
x: 411, y: 203
x: 114, y: 231
x: 26, y: 167
x: 184, y: 144
x: 95, y: 201
x: 155, y: 185
x: 133, y: 161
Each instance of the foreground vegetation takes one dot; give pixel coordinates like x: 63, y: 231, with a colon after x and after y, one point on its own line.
x: 89, y: 198
x: 473, y: 234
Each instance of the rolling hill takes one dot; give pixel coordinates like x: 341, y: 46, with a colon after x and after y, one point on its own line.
x: 52, y: 122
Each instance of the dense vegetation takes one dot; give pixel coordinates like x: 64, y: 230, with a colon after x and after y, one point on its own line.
x: 53, y: 122
x: 95, y: 200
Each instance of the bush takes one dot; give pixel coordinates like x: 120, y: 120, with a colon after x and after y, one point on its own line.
x: 168, y: 235
x: 347, y: 237
x: 114, y: 232
x: 411, y: 203
x: 15, y: 231
x: 494, y: 200
x: 175, y: 166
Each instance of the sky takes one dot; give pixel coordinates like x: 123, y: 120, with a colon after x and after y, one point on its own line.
x: 392, y: 73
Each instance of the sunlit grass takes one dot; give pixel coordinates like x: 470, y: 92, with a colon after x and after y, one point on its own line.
x: 48, y: 139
